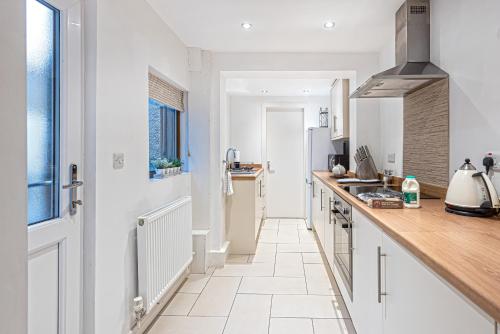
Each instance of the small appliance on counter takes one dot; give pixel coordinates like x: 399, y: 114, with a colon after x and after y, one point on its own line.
x: 471, y: 193
x: 340, y: 158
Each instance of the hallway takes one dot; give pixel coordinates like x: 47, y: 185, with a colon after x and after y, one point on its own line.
x: 283, y: 289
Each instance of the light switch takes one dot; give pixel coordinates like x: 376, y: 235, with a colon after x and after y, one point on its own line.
x: 391, y: 157
x: 118, y: 160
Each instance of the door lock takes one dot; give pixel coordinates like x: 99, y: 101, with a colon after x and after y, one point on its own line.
x: 73, y: 190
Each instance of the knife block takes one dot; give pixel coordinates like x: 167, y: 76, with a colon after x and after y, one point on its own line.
x: 366, y: 169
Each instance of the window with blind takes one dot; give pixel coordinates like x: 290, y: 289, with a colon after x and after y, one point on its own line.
x: 165, y: 105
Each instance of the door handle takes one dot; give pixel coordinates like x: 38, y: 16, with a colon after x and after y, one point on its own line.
x: 73, y: 190
x: 72, y: 185
x: 379, y: 274
x: 330, y: 211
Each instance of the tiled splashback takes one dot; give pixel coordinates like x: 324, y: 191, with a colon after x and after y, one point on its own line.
x: 426, y: 134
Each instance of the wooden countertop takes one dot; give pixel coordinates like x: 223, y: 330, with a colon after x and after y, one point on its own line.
x: 464, y: 251
x: 253, y: 176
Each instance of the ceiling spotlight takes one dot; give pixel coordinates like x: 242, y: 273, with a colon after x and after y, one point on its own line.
x: 264, y: 91
x: 307, y: 91
x: 246, y: 26
x: 328, y: 25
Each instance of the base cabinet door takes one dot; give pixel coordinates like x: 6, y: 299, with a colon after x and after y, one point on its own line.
x: 329, y: 230
x: 316, y: 203
x: 418, y: 301
x: 366, y: 309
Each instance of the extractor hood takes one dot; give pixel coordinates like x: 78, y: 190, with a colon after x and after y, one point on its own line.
x: 414, y: 70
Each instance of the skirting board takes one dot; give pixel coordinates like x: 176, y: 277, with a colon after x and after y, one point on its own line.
x: 150, y: 318
x: 218, y: 256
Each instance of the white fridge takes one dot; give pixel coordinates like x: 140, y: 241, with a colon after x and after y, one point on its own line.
x: 319, y: 146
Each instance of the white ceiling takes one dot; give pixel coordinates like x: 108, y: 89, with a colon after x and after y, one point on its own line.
x: 278, y: 87
x: 281, y: 25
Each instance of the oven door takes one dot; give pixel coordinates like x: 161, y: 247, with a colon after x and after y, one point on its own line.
x: 343, y: 249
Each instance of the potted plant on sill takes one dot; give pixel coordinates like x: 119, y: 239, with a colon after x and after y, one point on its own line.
x: 161, y: 166
x: 177, y: 164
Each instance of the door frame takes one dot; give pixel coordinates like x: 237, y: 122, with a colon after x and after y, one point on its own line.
x: 63, y: 229
x: 263, y: 150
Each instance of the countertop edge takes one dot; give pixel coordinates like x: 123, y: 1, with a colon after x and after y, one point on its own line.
x: 488, y: 305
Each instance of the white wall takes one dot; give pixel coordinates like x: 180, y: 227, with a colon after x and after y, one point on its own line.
x: 13, y: 192
x: 465, y: 42
x: 120, y: 50
x: 391, y: 120
x: 245, y: 112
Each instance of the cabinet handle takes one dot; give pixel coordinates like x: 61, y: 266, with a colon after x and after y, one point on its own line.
x: 321, y: 200
x: 314, y: 190
x: 379, y: 276
x: 334, y: 123
x: 260, y: 188
x: 330, y: 202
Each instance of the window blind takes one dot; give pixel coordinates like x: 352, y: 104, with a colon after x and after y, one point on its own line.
x: 165, y: 93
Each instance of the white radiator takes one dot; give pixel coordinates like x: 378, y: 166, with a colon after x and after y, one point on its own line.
x: 164, y: 249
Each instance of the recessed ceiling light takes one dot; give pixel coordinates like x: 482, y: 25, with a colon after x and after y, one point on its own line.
x: 307, y: 91
x: 328, y: 25
x: 264, y: 91
x: 246, y: 26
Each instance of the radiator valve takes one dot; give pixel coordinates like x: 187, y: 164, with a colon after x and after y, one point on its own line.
x: 139, y: 309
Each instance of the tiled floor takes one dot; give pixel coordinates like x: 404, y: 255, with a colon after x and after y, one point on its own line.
x: 282, y: 289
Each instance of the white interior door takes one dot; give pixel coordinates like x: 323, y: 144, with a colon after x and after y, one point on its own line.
x: 54, y: 107
x: 285, y: 162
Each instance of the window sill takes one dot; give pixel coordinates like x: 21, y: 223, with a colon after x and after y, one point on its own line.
x: 169, y: 177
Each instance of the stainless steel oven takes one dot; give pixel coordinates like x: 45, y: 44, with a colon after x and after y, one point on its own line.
x: 342, y: 211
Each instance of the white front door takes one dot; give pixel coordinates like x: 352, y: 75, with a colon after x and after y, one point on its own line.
x: 285, y: 162
x: 54, y: 107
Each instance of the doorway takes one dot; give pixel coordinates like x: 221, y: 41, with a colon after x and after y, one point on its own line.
x: 285, y: 163
x: 54, y: 109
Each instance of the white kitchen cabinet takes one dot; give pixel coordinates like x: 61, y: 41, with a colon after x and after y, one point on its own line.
x: 328, y: 226
x: 418, y: 301
x: 339, y: 116
x: 245, y: 210
x: 318, y: 213
x: 366, y: 310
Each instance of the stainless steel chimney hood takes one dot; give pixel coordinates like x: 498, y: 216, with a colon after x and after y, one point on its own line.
x: 414, y: 70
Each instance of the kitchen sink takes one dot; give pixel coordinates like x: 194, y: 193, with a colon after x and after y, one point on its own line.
x: 242, y: 171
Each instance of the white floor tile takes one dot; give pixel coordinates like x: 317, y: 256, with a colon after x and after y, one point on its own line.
x: 235, y: 258
x: 195, y: 283
x: 268, y: 236
x: 217, y: 297
x: 318, y: 282
x: 248, y: 269
x: 290, y: 326
x: 270, y: 225
x: 285, y: 236
x: 273, y: 285
x: 310, y: 258
x: 289, y: 265
x: 308, y: 306
x: 292, y: 221
x: 297, y: 248
x: 181, y: 304
x: 333, y: 326
x: 188, y: 325
x: 265, y: 248
x: 306, y: 237
x: 249, y: 315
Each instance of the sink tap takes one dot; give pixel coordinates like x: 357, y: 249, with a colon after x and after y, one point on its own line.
x: 387, y: 177
x: 227, y: 162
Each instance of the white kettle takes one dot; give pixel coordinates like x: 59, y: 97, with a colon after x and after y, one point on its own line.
x: 471, y: 193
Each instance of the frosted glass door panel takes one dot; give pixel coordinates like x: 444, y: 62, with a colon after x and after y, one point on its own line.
x: 42, y: 30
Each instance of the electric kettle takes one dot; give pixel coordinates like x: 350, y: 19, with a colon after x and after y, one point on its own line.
x: 471, y: 193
